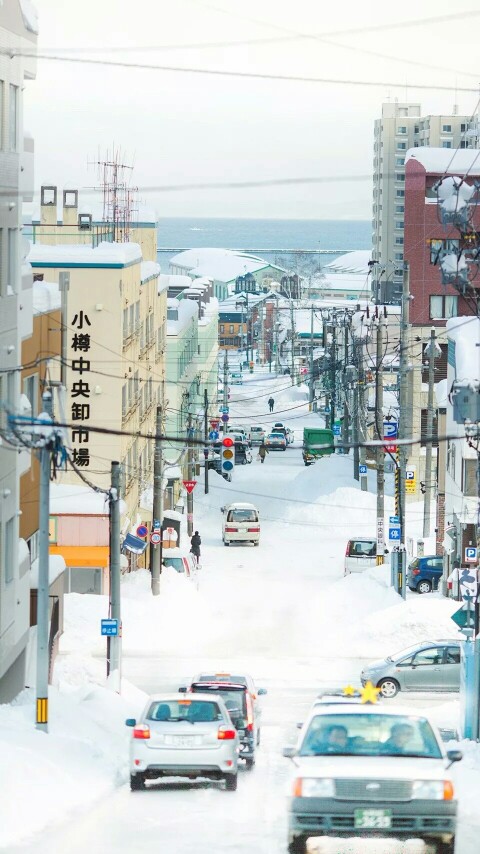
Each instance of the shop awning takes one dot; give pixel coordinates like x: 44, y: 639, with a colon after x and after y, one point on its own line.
x: 94, y: 556
x: 134, y: 544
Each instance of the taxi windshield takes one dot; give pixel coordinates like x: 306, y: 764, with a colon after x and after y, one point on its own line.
x: 370, y: 735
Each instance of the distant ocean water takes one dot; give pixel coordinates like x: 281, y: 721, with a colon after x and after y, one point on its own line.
x: 262, y: 234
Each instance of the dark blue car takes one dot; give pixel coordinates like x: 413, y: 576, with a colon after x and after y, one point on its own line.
x: 424, y: 573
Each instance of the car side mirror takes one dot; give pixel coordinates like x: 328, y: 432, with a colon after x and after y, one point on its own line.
x: 130, y: 722
x: 182, y: 689
x: 454, y: 756
x: 289, y: 752
x: 261, y: 692
x: 222, y: 509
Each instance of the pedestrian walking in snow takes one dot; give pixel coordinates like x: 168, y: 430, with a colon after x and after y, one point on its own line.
x: 262, y: 451
x: 271, y: 403
x: 195, y: 543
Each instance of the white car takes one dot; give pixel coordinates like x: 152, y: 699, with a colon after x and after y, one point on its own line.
x: 241, y: 524
x: 183, y: 736
x: 360, y: 554
x: 362, y: 771
x: 180, y: 560
x: 256, y: 433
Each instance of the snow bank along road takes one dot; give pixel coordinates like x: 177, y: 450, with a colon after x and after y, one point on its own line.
x: 282, y: 612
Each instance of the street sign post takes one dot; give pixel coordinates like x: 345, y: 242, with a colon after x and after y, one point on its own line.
x: 394, y: 520
x: 410, y: 481
x: 109, y: 628
x: 362, y: 469
x: 142, y: 531
x: 394, y: 533
x: 189, y: 485
x: 337, y: 428
x: 225, y: 418
x: 155, y: 538
x: 213, y: 435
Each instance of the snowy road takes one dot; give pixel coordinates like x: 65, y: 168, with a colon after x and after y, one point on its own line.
x: 270, y: 611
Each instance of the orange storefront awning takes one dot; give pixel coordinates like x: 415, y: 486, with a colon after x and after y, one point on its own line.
x: 94, y: 556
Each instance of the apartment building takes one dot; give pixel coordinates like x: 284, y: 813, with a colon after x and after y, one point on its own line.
x: 18, y: 28
x: 115, y: 327
x: 400, y: 128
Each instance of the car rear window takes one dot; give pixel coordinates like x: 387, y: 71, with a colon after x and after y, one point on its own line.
x: 193, y: 711
x: 175, y: 562
x: 242, y: 516
x: 370, y: 735
x: 234, y: 698
x: 219, y: 677
x: 362, y: 548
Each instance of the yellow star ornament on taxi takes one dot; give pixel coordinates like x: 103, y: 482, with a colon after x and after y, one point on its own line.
x: 349, y: 691
x: 369, y: 693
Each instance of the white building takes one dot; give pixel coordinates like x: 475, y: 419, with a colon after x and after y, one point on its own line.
x: 347, y: 277
x: 18, y: 28
x: 401, y: 127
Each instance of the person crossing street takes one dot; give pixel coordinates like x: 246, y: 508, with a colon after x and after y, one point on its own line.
x: 262, y: 451
x: 271, y: 403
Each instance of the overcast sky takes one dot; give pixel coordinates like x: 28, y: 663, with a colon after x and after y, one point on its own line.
x: 185, y: 128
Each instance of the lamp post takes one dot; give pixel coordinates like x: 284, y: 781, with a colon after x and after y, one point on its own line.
x: 242, y: 303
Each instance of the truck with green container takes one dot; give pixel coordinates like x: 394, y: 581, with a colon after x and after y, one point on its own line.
x: 317, y: 442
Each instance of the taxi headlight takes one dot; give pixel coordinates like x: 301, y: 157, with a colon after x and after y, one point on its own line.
x: 313, y: 787
x: 431, y: 790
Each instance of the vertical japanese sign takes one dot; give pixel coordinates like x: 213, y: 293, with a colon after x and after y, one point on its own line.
x: 80, y: 389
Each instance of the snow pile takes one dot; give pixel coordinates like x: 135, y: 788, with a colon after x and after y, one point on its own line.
x: 83, y: 757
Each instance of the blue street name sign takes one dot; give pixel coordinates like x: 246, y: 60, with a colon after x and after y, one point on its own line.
x: 336, y: 429
x: 394, y: 533
x: 362, y: 469
x: 224, y: 409
x: 110, y: 628
x: 394, y: 520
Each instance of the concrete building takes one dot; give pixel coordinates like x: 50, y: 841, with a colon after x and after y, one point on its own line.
x: 433, y: 303
x: 18, y: 29
x: 400, y: 128
x: 115, y: 351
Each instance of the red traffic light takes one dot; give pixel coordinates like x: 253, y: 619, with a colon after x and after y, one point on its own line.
x: 227, y: 442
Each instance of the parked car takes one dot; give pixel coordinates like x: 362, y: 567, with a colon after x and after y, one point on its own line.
x: 180, y: 560
x: 363, y: 771
x: 239, y: 703
x: 424, y: 573
x: 163, y: 746
x: 236, y: 378
x: 276, y: 442
x: 241, y: 524
x: 426, y: 666
x: 360, y: 553
x: 238, y: 431
x: 256, y: 434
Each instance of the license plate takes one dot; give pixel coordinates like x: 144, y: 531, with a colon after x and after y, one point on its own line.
x: 241, y: 732
x: 182, y: 740
x: 380, y: 819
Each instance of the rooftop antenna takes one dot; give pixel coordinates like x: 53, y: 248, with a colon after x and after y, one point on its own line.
x: 118, y: 195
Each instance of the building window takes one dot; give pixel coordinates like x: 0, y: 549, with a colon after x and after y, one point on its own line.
x: 469, y: 478
x: 398, y: 256
x: 399, y: 241
x: 30, y: 390
x: 463, y: 143
x: 399, y: 161
x: 399, y: 223
x: 400, y: 194
x: 13, y: 120
x: 401, y: 129
x: 399, y: 209
x: 463, y: 127
x: 399, y: 176
x: 443, y: 307
x: 124, y: 400
x: 13, y: 258
x: 446, y: 143
x: 231, y: 329
x: 222, y: 328
x: 401, y: 146
x: 446, y: 128
x: 9, y: 549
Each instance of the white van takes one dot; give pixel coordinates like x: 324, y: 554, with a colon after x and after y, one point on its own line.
x: 360, y: 554
x: 241, y: 524
x: 257, y: 434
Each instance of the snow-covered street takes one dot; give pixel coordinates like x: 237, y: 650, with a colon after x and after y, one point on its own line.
x: 282, y: 612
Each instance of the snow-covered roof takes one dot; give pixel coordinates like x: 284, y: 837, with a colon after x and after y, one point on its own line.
x: 351, y: 262
x: 148, y: 270
x: 191, y: 258
x: 187, y: 309
x: 70, y: 499
x: 465, y: 331
x: 105, y: 254
x: 30, y: 16
x: 46, y: 297
x: 356, y: 284
x: 224, y: 265
x: 169, y: 280
x: 440, y: 160
x: 56, y: 565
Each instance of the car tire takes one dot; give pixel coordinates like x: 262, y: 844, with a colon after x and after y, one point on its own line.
x: 137, y: 782
x: 249, y: 762
x: 258, y: 738
x: 446, y: 847
x: 256, y: 543
x: 424, y: 586
x: 297, y: 846
x: 230, y: 782
x: 389, y: 688
x: 225, y: 543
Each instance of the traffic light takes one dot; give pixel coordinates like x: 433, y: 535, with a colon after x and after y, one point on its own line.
x: 228, y: 454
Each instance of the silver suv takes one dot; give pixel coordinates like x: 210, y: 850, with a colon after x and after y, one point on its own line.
x: 426, y: 666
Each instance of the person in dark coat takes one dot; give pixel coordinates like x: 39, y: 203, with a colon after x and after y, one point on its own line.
x: 271, y: 403
x: 262, y: 451
x: 195, y: 543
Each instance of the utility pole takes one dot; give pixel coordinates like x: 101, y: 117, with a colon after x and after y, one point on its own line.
x: 277, y: 354
x: 430, y: 352
x: 114, y: 644
x: 292, y: 327
x: 43, y: 656
x: 190, y: 476
x: 64, y: 286
x: 333, y: 372
x: 404, y: 420
x: 310, y: 379
x: 356, y: 410
x: 156, y: 551
x: 346, y: 414
x: 205, y: 403
x: 361, y: 415
x: 225, y: 378
x: 379, y: 435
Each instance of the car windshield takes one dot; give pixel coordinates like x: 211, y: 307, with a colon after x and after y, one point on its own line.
x: 190, y: 711
x: 396, y: 656
x: 276, y: 436
x: 242, y: 516
x: 175, y: 562
x: 370, y: 735
x: 362, y: 548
